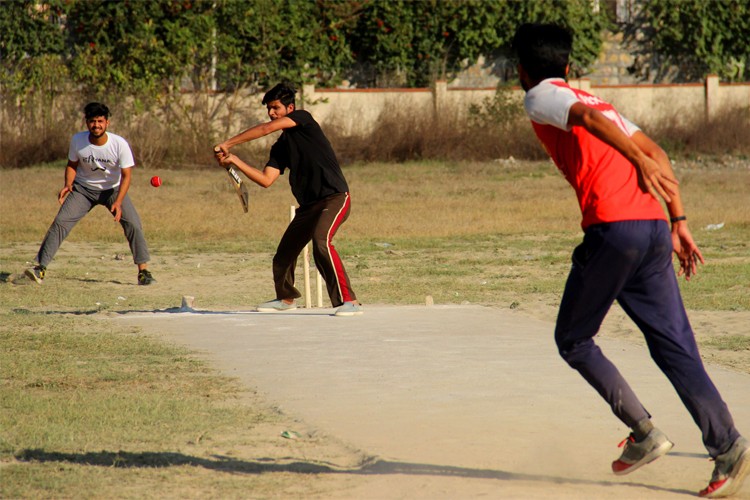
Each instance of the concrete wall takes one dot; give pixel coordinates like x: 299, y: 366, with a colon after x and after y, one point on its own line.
x: 355, y: 111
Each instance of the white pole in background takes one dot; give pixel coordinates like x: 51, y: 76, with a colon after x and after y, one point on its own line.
x: 319, y: 285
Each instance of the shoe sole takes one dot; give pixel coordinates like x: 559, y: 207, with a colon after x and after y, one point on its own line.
x: 656, y: 453
x: 735, y: 479
x: 358, y: 313
x: 30, y: 274
x: 273, y: 309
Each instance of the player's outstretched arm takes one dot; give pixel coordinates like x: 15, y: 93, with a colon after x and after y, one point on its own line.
x: 256, y: 132
x: 654, y: 179
x: 263, y: 178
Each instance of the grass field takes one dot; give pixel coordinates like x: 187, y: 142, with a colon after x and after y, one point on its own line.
x: 94, y: 409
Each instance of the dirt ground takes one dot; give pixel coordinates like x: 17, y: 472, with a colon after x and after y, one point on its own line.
x: 451, y: 401
x: 437, y: 402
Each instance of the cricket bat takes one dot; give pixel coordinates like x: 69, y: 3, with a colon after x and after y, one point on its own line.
x: 239, y: 186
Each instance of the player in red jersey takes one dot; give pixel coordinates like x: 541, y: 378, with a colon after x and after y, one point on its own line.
x: 617, y: 173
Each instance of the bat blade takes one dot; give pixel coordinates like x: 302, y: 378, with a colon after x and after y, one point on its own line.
x: 240, y: 187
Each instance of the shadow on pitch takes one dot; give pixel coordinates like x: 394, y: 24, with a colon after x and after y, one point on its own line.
x: 373, y: 466
x: 170, y: 310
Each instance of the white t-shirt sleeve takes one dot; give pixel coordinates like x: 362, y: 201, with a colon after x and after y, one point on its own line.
x: 630, y: 127
x: 125, y: 153
x: 549, y: 104
x: 75, y: 145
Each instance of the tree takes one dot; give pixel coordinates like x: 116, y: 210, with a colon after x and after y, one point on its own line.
x: 685, y: 40
x: 261, y: 42
x: 412, y: 43
x: 138, y: 47
x: 32, y: 46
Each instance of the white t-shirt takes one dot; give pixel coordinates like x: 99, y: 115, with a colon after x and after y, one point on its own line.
x: 99, y: 166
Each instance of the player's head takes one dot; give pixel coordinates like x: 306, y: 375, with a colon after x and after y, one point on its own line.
x: 543, y: 50
x: 94, y: 109
x: 97, y: 118
x: 280, y: 100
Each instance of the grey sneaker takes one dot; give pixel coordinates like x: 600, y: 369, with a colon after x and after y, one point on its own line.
x: 36, y: 273
x: 349, y: 309
x: 274, y: 306
x: 730, y: 471
x: 639, y: 453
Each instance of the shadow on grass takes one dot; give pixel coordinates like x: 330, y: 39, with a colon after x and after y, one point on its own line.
x: 372, y: 466
x: 172, y: 310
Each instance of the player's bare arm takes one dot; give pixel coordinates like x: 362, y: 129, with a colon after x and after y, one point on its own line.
x: 682, y: 240
x: 70, y: 175
x: 652, y: 177
x: 256, y: 132
x: 264, y: 178
x: 116, y: 208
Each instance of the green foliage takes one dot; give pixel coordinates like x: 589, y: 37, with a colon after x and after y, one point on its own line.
x: 261, y: 42
x: 414, y: 43
x: 152, y: 49
x: 31, y: 47
x: 692, y: 38
x: 137, y: 47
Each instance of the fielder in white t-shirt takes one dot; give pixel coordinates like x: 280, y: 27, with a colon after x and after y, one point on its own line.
x: 98, y: 173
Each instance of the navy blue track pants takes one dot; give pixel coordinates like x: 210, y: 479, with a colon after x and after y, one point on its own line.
x: 631, y: 262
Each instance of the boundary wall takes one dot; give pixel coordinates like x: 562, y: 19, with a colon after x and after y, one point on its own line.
x: 355, y: 111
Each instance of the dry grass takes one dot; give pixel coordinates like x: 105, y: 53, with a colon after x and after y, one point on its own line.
x: 486, y: 212
x: 198, y: 208
x: 401, y: 135
x: 725, y: 134
x: 94, y: 406
x: 496, y: 129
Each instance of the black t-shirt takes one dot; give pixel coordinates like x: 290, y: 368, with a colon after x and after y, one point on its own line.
x: 314, y: 171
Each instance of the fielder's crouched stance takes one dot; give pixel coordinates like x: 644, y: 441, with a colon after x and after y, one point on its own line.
x: 98, y: 172
x: 320, y: 188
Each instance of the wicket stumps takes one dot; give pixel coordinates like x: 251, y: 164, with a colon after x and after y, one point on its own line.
x: 306, y: 273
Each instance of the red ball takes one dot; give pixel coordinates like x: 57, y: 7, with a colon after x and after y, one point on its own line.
x: 156, y: 181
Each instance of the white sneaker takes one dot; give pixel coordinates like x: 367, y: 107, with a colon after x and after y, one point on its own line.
x: 275, y: 306
x: 349, y: 309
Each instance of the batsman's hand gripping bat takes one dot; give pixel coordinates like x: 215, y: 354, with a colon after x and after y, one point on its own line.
x: 239, y: 186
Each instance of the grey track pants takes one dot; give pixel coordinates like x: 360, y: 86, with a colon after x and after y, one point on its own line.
x: 80, y: 202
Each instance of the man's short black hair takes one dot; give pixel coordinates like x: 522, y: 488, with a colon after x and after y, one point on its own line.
x: 283, y: 92
x: 94, y: 109
x: 543, y: 50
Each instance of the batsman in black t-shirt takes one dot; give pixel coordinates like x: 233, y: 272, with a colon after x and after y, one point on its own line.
x: 320, y: 189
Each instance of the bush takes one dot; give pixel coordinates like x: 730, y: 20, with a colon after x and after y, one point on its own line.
x: 174, y: 137
x: 728, y: 133
x: 496, y: 129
